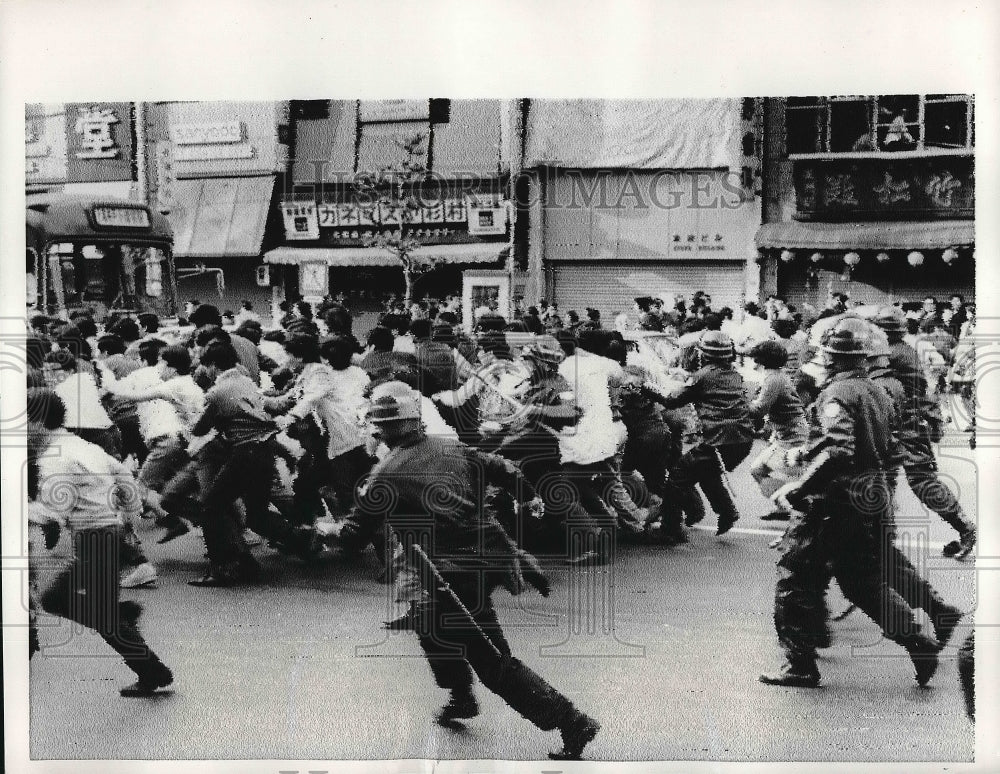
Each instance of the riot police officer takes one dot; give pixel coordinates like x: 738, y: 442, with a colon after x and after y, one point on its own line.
x: 920, y: 428
x: 717, y: 393
x: 430, y: 491
x: 845, y: 500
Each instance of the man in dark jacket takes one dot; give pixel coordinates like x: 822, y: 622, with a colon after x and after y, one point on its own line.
x: 462, y: 554
x: 844, y: 496
x: 717, y: 393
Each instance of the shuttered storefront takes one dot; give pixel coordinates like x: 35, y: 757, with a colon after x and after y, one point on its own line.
x: 611, y: 286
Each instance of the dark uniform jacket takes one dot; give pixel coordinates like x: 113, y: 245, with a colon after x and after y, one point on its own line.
x: 435, y: 488
x: 718, y: 395
x: 858, y: 445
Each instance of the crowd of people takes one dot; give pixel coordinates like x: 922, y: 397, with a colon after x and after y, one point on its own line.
x: 547, y: 437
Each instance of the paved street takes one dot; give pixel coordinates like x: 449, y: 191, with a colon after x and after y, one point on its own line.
x: 298, y: 668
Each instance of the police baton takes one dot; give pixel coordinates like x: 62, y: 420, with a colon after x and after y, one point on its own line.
x: 424, y: 561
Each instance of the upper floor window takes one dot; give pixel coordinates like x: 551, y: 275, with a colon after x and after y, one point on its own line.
x: 880, y: 125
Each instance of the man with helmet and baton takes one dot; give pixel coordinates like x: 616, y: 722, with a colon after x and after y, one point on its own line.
x: 716, y: 390
x: 920, y: 429
x: 844, y: 497
x: 430, y: 491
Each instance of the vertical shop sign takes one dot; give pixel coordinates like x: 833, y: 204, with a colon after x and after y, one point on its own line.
x: 100, y: 144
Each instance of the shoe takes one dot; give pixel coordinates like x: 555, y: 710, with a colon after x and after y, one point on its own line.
x: 148, y: 686
x: 966, y: 543
x: 251, y: 538
x: 143, y: 575
x: 944, y: 623
x: 726, y: 523
x: 924, y: 655
x: 778, y: 514
x: 576, y: 734
x: 129, y: 612
x: 675, y: 538
x: 461, y: 706
x: 174, y: 531
x: 693, y: 518
x: 951, y: 549
x: 247, y: 568
x: 214, y: 582
x: 791, y: 677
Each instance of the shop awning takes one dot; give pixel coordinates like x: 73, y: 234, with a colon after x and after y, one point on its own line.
x: 897, y: 235
x: 220, y: 217
x: 376, y: 256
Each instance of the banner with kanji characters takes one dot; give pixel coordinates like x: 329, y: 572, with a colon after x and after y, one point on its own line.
x: 99, y: 140
x: 886, y: 189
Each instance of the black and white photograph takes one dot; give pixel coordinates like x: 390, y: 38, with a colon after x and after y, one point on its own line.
x: 386, y: 426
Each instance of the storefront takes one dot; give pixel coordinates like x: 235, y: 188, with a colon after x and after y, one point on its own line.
x: 215, y: 167
x: 643, y: 198
x: 459, y: 215
x: 870, y: 196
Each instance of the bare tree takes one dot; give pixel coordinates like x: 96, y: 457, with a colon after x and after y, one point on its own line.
x: 394, y: 193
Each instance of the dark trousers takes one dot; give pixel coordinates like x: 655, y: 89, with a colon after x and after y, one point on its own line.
x: 87, y: 592
x: 836, y: 540
x: 456, y: 648
x: 706, y: 466
x: 935, y: 495
x: 247, y: 474
x: 537, y: 456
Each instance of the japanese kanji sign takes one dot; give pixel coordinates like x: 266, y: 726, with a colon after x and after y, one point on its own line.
x: 99, y: 141
x: 942, y: 187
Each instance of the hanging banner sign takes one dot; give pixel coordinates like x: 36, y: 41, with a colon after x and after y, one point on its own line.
x: 301, y: 221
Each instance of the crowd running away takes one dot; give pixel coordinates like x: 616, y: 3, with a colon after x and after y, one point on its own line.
x: 469, y: 462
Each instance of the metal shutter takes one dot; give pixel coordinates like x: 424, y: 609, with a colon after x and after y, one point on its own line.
x: 610, y: 286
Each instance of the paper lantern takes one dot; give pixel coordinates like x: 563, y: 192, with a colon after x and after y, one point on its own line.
x: 852, y: 259
x: 882, y: 257
x: 916, y: 258
x: 787, y: 256
x: 816, y: 257
x: 949, y: 255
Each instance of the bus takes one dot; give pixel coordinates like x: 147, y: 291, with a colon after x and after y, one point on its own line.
x: 111, y: 257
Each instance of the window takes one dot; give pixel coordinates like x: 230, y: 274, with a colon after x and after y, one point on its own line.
x: 882, y: 125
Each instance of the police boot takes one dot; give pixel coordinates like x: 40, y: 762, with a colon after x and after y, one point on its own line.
x: 924, y: 655
x: 577, y: 732
x: 690, y: 502
x: 796, y: 672
x: 462, y: 705
x: 944, y: 619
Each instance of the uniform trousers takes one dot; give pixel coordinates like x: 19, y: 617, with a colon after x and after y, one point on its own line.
x: 456, y: 648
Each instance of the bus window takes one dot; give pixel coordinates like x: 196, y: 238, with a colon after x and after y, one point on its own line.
x: 31, y: 269
x: 149, y: 270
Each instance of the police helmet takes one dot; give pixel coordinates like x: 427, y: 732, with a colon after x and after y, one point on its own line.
x: 891, y: 319
x: 393, y: 402
x: 845, y: 343
x: 716, y: 344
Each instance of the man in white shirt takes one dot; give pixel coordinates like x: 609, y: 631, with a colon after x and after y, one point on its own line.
x: 588, y: 449
x: 91, y: 494
x: 78, y: 391
x: 168, y: 407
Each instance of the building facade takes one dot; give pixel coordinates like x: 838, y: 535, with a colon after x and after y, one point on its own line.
x: 869, y: 195
x: 630, y: 198
x: 214, y: 168
x: 459, y: 212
